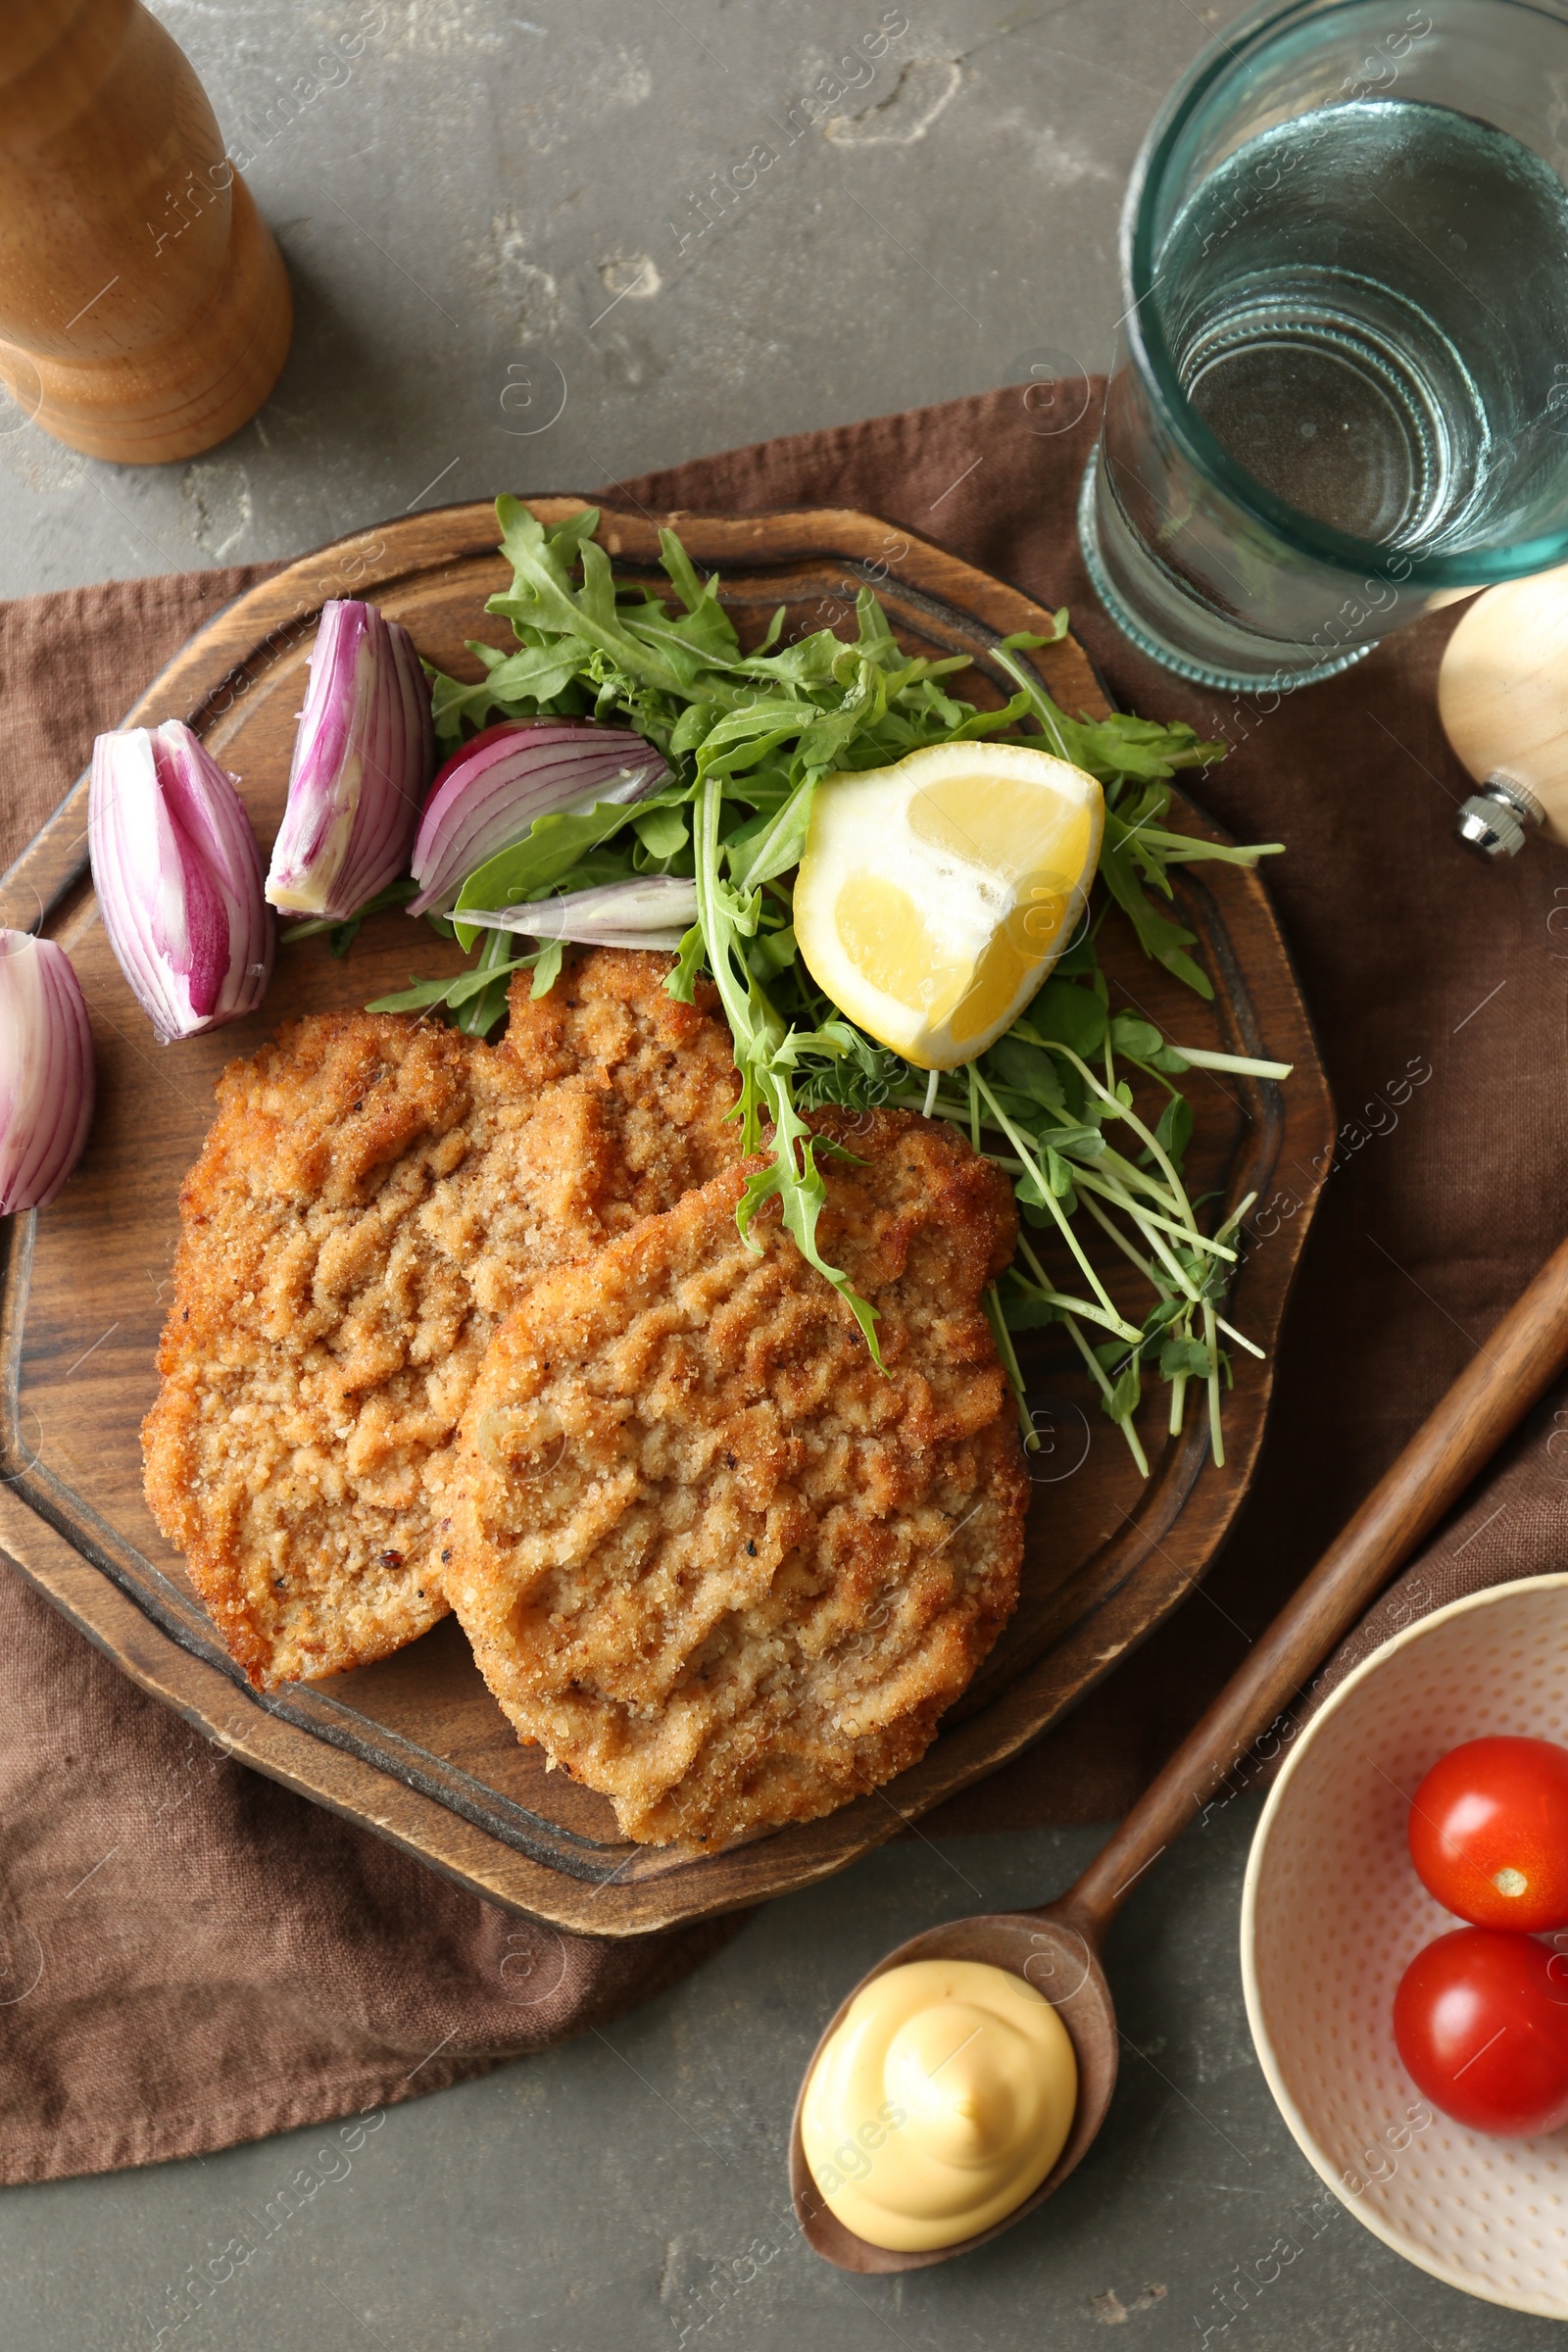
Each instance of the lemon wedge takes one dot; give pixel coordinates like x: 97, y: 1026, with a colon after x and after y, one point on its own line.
x: 934, y: 896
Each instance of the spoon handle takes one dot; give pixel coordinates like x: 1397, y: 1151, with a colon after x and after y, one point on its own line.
x: 1505, y: 1378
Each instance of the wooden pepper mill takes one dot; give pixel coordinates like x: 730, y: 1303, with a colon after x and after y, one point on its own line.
x: 143, y: 303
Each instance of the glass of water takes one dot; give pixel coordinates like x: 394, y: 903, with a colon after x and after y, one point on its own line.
x: 1340, y: 386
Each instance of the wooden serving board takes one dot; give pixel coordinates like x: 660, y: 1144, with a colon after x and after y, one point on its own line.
x: 414, y: 1746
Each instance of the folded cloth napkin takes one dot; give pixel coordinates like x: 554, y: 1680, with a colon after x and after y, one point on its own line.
x: 190, y: 1955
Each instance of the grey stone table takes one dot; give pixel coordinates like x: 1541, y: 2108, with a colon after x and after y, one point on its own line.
x: 534, y: 246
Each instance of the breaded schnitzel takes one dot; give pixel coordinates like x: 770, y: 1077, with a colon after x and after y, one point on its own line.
x: 714, y: 1561
x: 373, y: 1196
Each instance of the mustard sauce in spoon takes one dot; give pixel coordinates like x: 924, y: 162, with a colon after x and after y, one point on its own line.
x: 941, y: 2101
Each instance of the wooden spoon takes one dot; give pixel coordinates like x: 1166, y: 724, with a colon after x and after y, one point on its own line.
x: 1057, y: 1948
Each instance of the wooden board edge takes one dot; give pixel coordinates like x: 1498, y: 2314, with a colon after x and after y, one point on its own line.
x: 207, y: 1699
x: 294, y: 1756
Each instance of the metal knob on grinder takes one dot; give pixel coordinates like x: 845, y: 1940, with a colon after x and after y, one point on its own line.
x: 1493, y: 821
x: 1503, y: 696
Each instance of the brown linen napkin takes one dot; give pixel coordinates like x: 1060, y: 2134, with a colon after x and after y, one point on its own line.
x: 190, y: 1955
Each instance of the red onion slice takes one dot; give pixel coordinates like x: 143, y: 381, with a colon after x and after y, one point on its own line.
x: 178, y: 878
x: 46, y: 1070
x: 489, y: 794
x: 363, y: 756
x: 655, y: 911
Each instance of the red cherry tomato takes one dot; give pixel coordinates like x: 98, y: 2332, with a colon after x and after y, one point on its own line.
x: 1481, y: 2020
x: 1489, y: 1832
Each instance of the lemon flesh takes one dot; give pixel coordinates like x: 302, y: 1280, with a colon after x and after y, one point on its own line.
x: 934, y: 896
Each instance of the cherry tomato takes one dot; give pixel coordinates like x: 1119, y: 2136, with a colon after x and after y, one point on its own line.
x: 1481, y: 2020
x: 1489, y: 1832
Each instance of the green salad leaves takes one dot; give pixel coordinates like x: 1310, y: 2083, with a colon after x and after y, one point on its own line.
x: 748, y: 735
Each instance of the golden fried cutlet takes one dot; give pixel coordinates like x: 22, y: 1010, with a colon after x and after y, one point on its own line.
x: 375, y: 1194
x: 709, y: 1556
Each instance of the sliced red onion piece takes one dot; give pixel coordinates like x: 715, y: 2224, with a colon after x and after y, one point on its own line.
x: 363, y: 757
x: 178, y: 878
x: 488, y: 794
x: 46, y: 1070
x: 656, y: 912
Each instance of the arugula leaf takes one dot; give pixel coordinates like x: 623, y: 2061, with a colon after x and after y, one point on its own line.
x: 682, y: 981
x: 1107, y: 748
x: 546, y: 967
x: 765, y: 1057
x: 421, y: 995
x: 537, y: 673
x: 1166, y: 942
x: 780, y: 844
x: 662, y: 830
x: 549, y: 850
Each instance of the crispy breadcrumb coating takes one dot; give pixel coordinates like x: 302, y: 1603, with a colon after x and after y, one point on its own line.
x: 374, y: 1195
x: 721, y: 1567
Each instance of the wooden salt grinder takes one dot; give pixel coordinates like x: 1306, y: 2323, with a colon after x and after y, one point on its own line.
x: 143, y: 303
x: 1503, y: 696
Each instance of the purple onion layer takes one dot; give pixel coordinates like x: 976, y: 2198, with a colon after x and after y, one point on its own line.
x: 178, y: 878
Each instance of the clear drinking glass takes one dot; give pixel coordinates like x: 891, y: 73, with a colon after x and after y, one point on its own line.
x: 1340, y: 386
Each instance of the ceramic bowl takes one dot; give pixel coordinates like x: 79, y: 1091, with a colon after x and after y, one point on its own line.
x: 1333, y: 1912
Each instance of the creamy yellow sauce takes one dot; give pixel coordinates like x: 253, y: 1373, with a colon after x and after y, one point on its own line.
x: 942, y: 2099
